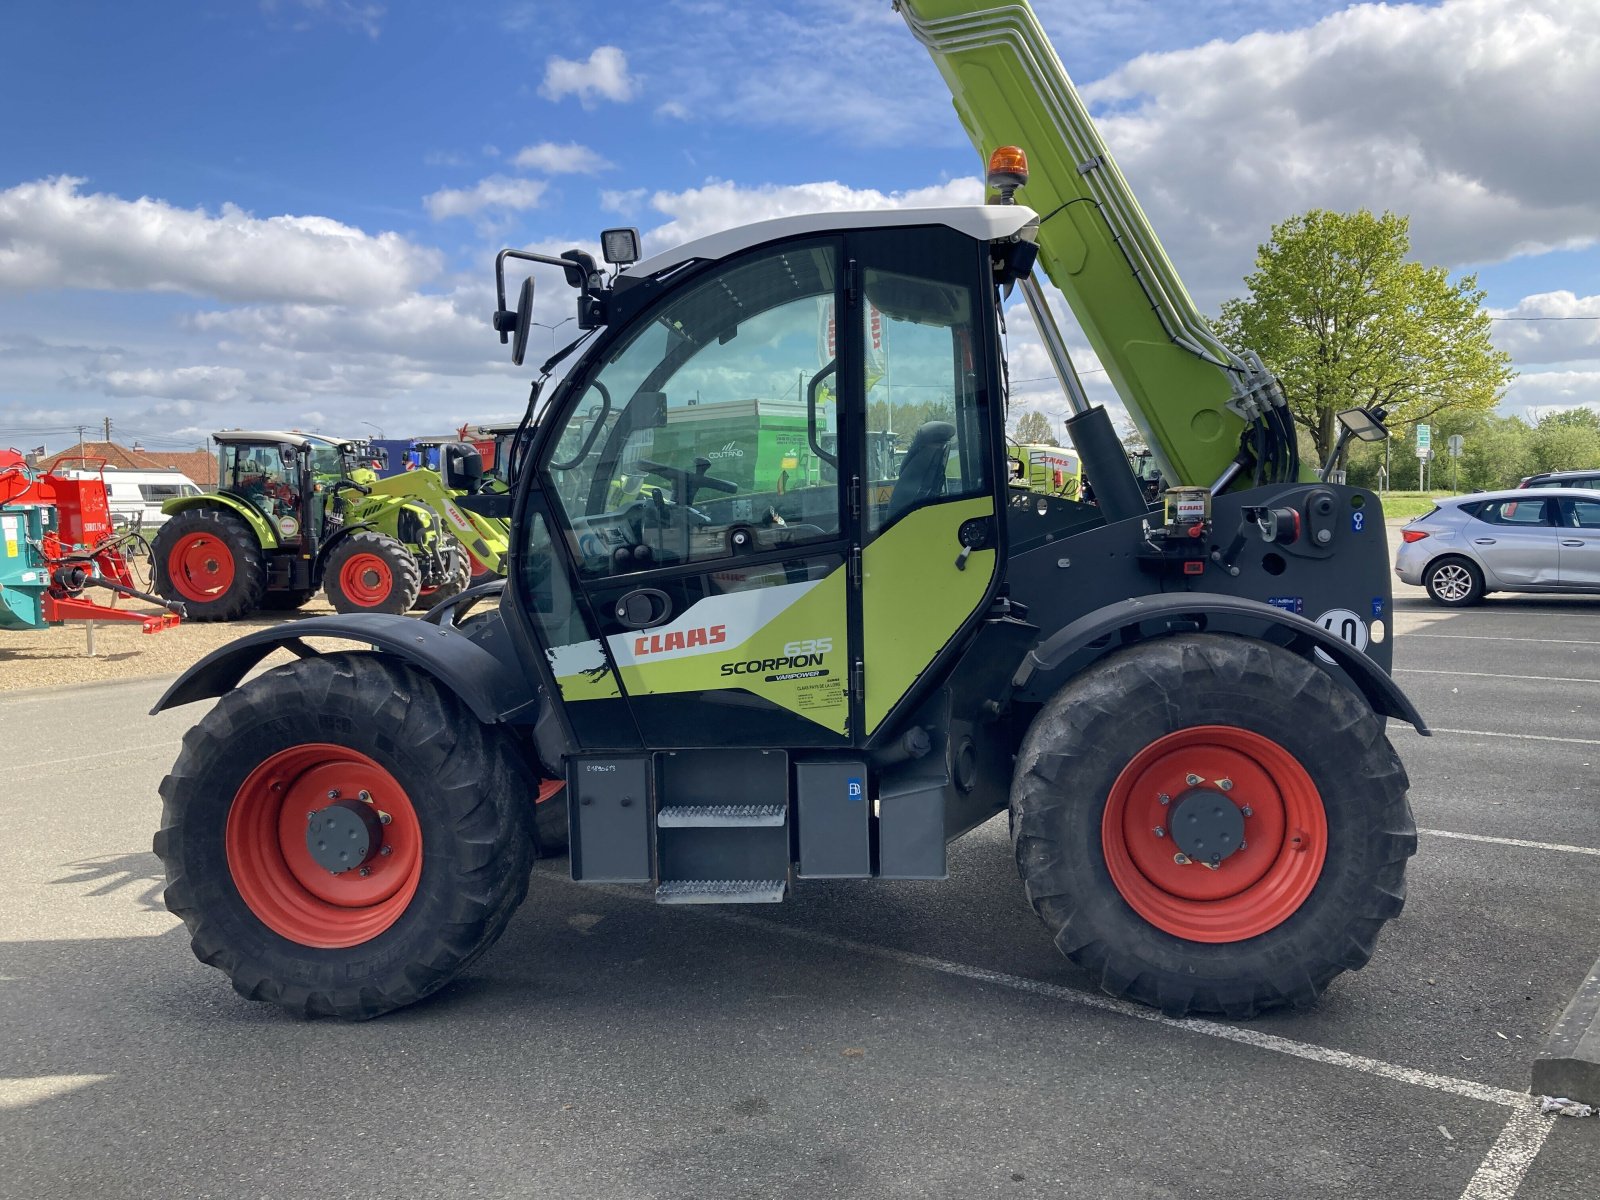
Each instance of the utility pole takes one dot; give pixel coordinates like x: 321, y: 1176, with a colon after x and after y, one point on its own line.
x: 81, y: 428
x: 108, y: 428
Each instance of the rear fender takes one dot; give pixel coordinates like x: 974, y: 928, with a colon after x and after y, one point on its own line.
x: 253, y: 516
x: 493, y: 689
x: 1093, y: 636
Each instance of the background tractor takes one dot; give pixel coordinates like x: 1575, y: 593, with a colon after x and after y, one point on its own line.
x: 294, y: 513
x: 485, y: 539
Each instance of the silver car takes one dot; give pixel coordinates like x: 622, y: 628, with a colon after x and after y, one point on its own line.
x: 1543, y: 540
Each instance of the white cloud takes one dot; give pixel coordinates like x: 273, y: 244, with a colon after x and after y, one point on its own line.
x: 1472, y: 116
x: 206, y: 385
x: 497, y: 192
x: 626, y: 202
x: 721, y: 204
x: 568, y: 159
x: 352, y: 14
x: 52, y: 235
x: 674, y: 110
x: 603, y: 76
x: 1551, y: 327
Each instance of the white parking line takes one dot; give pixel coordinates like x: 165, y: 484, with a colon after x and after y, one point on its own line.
x: 1506, y: 1165
x: 1466, y: 1088
x: 1490, y: 675
x: 1522, y: 737
x: 1479, y: 637
x: 66, y: 759
x: 1502, y: 841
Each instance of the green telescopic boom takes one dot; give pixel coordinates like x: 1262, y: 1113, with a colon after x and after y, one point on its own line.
x: 1190, y: 396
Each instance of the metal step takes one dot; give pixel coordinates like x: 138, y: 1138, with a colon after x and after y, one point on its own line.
x: 721, y: 816
x: 720, y: 891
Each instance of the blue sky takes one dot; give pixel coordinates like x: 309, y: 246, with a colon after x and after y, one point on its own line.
x: 284, y: 213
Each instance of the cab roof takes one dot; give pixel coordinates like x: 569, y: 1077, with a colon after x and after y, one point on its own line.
x: 230, y: 436
x: 983, y: 222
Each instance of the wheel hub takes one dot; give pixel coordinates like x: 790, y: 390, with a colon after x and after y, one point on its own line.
x: 1207, y: 826
x: 345, y: 835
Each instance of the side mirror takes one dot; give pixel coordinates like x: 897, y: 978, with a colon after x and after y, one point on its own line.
x: 517, y: 323
x: 461, y: 466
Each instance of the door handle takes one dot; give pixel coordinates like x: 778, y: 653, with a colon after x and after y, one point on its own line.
x: 1573, y: 542
x: 1483, y: 541
x: 643, y: 607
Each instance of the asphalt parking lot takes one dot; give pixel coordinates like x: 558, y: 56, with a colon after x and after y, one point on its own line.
x: 863, y: 1039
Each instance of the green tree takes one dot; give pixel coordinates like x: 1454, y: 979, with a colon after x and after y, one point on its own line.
x: 1342, y: 316
x: 1566, y: 441
x: 1033, y: 428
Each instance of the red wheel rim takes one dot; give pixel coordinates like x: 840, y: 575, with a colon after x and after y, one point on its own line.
x: 366, y: 579
x: 1252, y: 890
x: 200, y: 566
x: 283, y: 885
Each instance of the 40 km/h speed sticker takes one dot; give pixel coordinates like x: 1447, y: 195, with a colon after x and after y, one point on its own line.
x: 1346, y: 625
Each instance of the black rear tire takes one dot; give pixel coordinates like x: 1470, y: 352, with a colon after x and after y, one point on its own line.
x: 1071, y: 762
x: 1454, y: 582
x: 215, y: 543
x: 371, y: 572
x: 466, y: 782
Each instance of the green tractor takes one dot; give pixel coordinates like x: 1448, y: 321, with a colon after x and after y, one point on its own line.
x: 297, y: 512
x: 486, y: 540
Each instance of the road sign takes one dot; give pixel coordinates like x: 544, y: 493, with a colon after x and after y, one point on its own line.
x: 1424, y: 441
x: 1455, y: 445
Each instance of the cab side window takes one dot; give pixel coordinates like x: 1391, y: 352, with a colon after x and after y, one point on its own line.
x: 1581, y: 514
x: 704, y: 436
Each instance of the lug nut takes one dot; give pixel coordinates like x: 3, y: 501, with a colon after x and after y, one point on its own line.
x: 1225, y: 784
x: 1181, y: 859
x: 333, y: 793
x: 1243, y: 845
x: 1193, y: 780
x: 384, y: 818
x: 365, y: 796
x: 1210, y: 866
x: 1247, y: 811
x: 365, y: 871
x: 1163, y: 799
x: 311, y: 816
x: 1159, y: 832
x: 386, y: 851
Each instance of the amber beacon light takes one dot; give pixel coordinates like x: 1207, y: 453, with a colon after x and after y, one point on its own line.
x: 1008, y: 170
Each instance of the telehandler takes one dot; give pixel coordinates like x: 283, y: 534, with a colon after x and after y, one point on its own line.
x: 725, y: 691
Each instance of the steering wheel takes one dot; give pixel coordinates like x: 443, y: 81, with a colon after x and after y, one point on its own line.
x: 684, y: 483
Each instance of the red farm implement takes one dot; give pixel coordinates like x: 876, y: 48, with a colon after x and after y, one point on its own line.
x: 56, y: 542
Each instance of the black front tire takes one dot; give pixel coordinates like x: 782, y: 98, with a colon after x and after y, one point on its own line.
x: 458, y: 583
x: 371, y: 572
x: 1454, y: 582
x: 466, y: 782
x: 225, y: 535
x: 1074, y: 754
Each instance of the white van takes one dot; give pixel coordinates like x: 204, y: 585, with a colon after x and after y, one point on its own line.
x: 135, y: 496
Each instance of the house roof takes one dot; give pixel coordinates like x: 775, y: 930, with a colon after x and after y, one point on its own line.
x: 198, y: 465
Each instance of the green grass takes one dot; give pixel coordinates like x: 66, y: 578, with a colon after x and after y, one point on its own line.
x: 1405, y: 505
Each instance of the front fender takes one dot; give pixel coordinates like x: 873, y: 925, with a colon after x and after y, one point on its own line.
x: 1098, y: 633
x: 494, y: 690
x: 252, y: 515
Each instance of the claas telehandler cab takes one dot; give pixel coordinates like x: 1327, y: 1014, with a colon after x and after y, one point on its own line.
x: 722, y: 689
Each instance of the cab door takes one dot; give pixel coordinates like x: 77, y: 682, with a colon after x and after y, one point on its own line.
x: 705, y: 532
x: 929, y: 529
